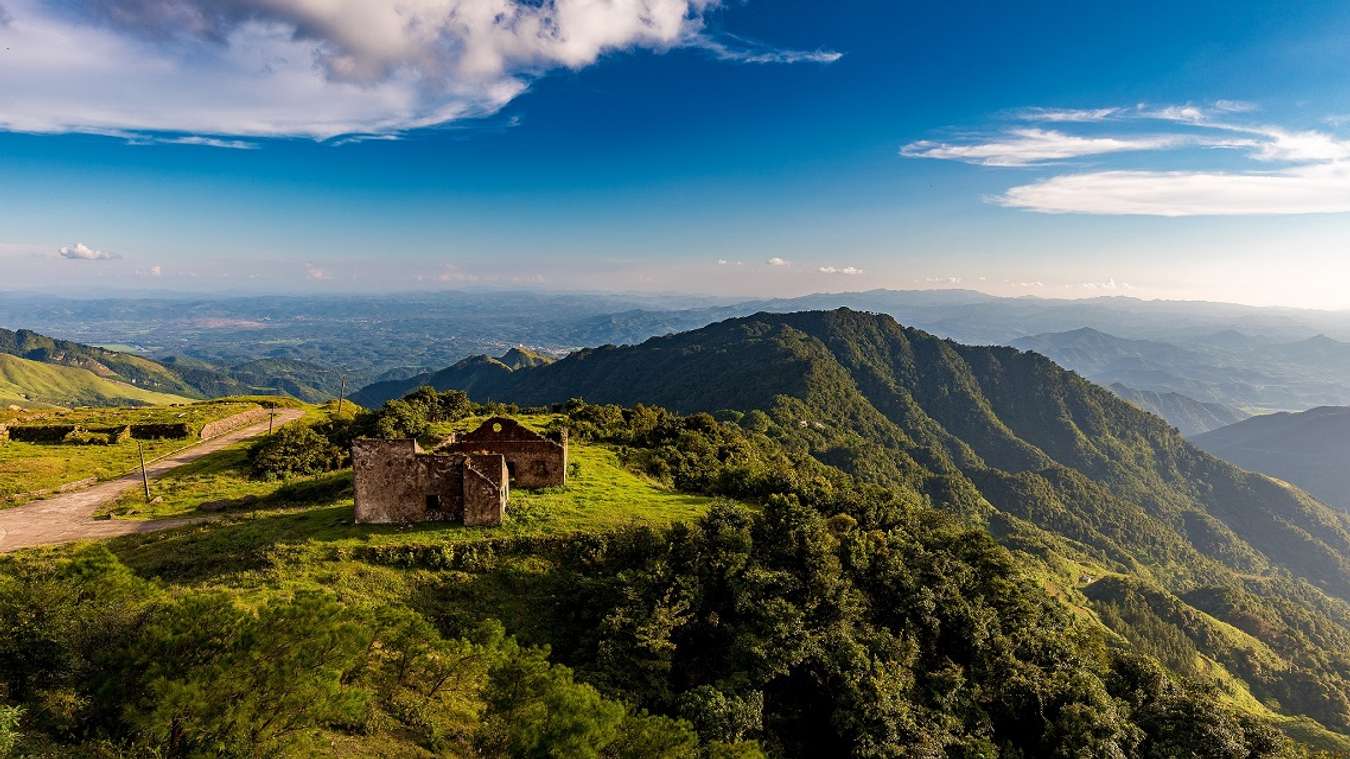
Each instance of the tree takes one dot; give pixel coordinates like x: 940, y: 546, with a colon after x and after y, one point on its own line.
x: 295, y: 450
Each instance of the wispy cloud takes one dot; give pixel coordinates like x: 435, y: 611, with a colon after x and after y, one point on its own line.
x: 1304, y: 190
x: 741, y: 50
x: 299, y: 68
x: 845, y: 270
x: 1070, y: 115
x: 1025, y: 147
x: 81, y: 252
x: 1293, y: 171
x: 316, y: 273
x: 209, y: 142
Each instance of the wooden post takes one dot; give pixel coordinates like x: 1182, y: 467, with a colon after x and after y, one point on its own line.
x: 145, y: 479
x: 271, y: 414
x: 342, y: 392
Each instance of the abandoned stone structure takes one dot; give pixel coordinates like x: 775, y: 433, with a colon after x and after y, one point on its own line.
x: 397, y: 483
x: 468, y: 479
x: 533, y: 460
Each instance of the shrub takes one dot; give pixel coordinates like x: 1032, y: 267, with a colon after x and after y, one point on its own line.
x: 295, y: 451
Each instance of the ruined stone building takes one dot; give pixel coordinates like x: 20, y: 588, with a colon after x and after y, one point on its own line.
x: 533, y: 460
x: 396, y: 483
x: 468, y: 479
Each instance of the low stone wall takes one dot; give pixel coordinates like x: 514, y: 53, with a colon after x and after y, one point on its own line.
x: 57, y: 433
x: 232, y: 423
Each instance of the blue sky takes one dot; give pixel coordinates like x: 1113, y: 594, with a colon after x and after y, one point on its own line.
x: 735, y: 148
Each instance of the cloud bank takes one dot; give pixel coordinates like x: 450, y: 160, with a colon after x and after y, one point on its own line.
x: 81, y: 252
x: 1290, y: 171
x: 315, y: 68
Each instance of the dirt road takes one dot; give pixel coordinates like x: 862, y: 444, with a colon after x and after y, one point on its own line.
x: 69, y: 517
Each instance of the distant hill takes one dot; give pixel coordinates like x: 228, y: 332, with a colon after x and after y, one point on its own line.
x: 1226, y: 368
x: 180, y: 375
x: 32, y: 383
x: 1058, y: 467
x: 1310, y: 449
x: 470, y: 375
x: 1189, y: 416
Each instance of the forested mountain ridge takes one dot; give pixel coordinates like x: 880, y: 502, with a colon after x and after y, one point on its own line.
x: 1189, y: 416
x: 1056, y: 466
x: 177, y: 375
x: 1311, y: 449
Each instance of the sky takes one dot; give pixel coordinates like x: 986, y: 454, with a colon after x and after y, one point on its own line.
x: 1197, y: 150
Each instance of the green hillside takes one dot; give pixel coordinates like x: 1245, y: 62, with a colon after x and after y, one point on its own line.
x: 637, y: 612
x: 183, y: 375
x: 1189, y: 416
x: 32, y: 383
x: 1057, y: 467
x: 1310, y: 449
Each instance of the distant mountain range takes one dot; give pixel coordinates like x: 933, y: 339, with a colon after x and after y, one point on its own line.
x: 1310, y: 449
x: 1246, y: 358
x: 1232, y: 370
x: 1189, y: 416
x: 34, y: 384
x: 126, y: 377
x: 1059, y: 468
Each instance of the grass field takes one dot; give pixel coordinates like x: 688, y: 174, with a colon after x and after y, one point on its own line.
x: 32, y: 383
x: 600, y: 494
x: 30, y: 467
x: 195, y: 414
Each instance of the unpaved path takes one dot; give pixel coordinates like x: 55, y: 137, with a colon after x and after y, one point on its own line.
x: 69, y: 517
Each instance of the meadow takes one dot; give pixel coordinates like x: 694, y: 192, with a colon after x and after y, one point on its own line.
x: 29, y: 468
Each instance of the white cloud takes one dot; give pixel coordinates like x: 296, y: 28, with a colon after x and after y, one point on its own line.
x: 1067, y: 114
x: 1303, y: 190
x: 316, y: 273
x: 156, y: 270
x: 846, y: 270
x: 1032, y: 284
x: 745, y: 51
x: 210, y: 142
x: 1025, y: 147
x: 1109, y: 284
x: 942, y: 280
x: 81, y: 252
x: 315, y: 68
x: 1311, y: 172
x: 776, y: 261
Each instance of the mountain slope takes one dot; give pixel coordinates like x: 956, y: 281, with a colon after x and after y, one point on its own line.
x: 1310, y: 449
x: 24, y: 382
x: 1226, y: 367
x: 1056, y: 466
x: 468, y: 374
x: 1189, y: 416
x: 186, y: 376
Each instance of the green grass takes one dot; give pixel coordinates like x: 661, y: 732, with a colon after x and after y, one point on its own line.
x: 26, y: 382
x: 26, y: 468
x: 196, y: 414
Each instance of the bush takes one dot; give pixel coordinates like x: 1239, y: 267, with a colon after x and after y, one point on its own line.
x: 401, y: 419
x: 295, y: 450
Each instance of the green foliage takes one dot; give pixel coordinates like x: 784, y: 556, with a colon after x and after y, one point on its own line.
x: 295, y: 450
x: 998, y: 438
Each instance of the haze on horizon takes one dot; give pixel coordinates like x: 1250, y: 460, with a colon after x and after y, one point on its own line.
x: 691, y: 146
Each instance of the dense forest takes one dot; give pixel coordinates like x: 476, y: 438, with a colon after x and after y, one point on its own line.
x: 809, y: 614
x: 1253, y: 574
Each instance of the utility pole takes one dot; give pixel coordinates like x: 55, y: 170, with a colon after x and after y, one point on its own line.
x: 271, y: 414
x: 342, y: 392
x: 145, y: 479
